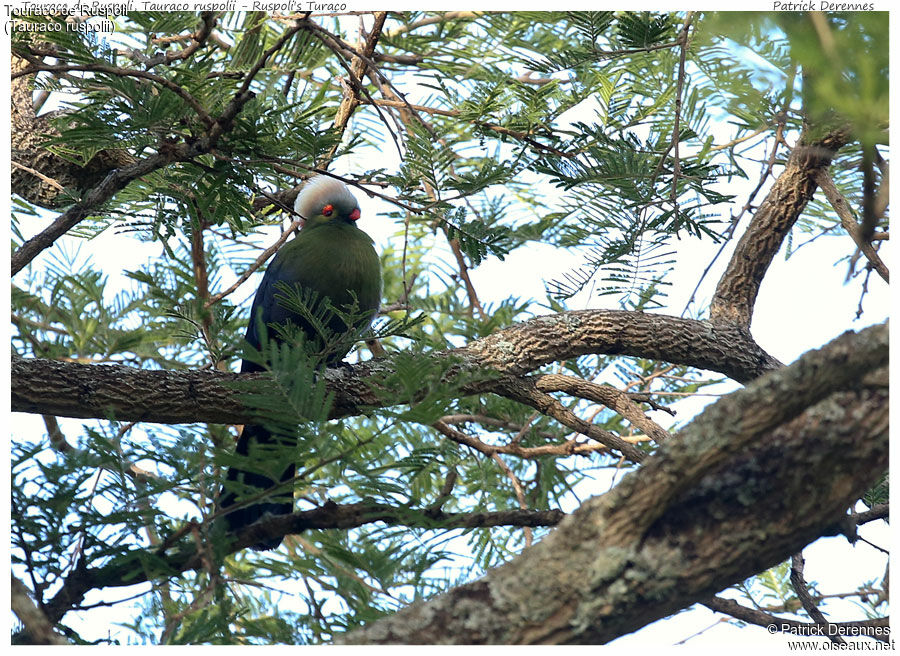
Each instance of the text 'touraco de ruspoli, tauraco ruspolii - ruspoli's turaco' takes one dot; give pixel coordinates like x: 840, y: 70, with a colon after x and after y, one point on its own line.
x: 330, y: 258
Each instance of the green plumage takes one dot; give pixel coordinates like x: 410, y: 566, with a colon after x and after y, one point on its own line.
x: 330, y: 258
x: 334, y: 260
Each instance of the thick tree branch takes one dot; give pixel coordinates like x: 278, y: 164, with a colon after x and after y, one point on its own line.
x: 743, y: 496
x: 113, y: 391
x: 37, y: 629
x: 743, y: 510
x: 736, y: 292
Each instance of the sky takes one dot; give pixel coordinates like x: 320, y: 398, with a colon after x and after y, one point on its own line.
x: 803, y: 303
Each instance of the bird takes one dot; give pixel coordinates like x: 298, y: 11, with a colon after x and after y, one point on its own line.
x: 329, y: 258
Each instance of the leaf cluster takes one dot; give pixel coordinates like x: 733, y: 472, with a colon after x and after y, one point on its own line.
x: 522, y: 128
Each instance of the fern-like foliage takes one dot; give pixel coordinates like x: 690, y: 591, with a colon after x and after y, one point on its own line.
x: 482, y: 141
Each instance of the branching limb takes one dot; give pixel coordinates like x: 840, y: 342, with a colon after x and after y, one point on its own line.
x: 119, y: 178
x: 127, y: 571
x: 809, y: 605
x: 87, y: 391
x: 850, y: 224
x: 735, y: 218
x: 629, y: 562
x: 38, y: 66
x: 736, y: 292
x: 526, y: 391
x: 879, y: 628
x: 609, y: 396
x: 568, y: 448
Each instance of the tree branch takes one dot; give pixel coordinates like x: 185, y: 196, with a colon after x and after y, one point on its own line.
x: 652, y: 545
x: 850, y: 224
x: 736, y: 292
x: 121, y: 72
x: 609, y: 396
x: 38, y: 630
x: 809, y: 604
x: 878, y: 628
x: 141, y: 565
x: 119, y: 178
x: 39, y: 175
x: 70, y: 389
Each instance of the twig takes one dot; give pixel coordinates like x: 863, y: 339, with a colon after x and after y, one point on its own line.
x: 118, y: 179
x: 50, y: 181
x: 37, y: 66
x: 516, y: 134
x: 739, y: 140
x: 809, y: 605
x: 464, y: 273
x: 840, y: 205
x: 199, y: 37
x: 570, y: 447
x: 607, y: 395
x: 296, y: 224
x: 520, y: 494
x: 25, y: 321
x: 761, y: 618
x: 676, y: 170
x: 525, y: 391
x: 422, y: 22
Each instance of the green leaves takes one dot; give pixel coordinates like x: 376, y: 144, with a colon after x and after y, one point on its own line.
x: 475, y: 239
x: 643, y: 29
x: 558, y: 128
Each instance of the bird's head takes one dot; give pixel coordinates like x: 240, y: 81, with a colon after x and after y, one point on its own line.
x: 324, y: 200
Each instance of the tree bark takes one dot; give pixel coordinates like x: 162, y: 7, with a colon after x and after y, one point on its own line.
x: 39, y: 175
x: 736, y: 292
x: 721, y: 501
x: 127, y: 394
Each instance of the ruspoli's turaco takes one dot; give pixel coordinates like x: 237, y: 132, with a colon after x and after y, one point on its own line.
x: 330, y: 258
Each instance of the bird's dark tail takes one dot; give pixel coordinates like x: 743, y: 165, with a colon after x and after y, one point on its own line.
x: 278, y: 503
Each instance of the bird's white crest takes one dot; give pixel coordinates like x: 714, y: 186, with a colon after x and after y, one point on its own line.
x: 319, y: 192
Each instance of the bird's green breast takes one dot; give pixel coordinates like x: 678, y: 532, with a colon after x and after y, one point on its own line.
x: 336, y: 260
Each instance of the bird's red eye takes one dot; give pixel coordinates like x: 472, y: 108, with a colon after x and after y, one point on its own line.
x: 328, y: 210
x: 354, y: 215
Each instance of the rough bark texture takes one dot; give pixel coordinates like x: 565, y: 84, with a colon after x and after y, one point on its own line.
x: 657, y: 543
x: 752, y: 480
x: 112, y: 391
x: 716, y: 503
x: 29, y: 135
x: 736, y: 292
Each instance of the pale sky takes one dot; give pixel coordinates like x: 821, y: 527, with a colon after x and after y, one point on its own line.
x: 803, y: 303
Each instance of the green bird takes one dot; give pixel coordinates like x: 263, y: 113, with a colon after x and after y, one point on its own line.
x: 330, y: 258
